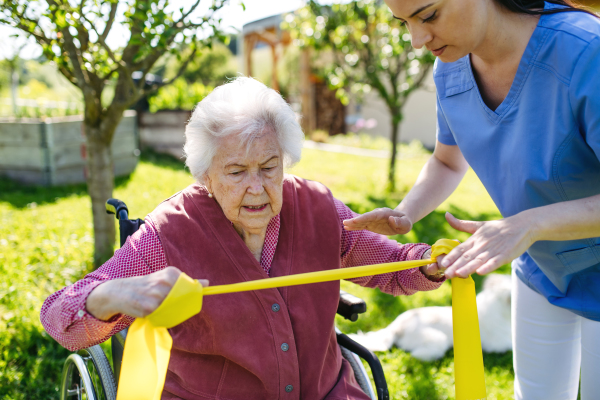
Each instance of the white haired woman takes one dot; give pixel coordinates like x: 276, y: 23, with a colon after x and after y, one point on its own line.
x: 244, y: 220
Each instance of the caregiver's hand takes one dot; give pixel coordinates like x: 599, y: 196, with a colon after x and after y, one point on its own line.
x: 384, y: 221
x: 137, y: 296
x: 493, y: 244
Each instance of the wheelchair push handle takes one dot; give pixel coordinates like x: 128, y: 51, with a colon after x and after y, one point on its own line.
x: 117, y: 207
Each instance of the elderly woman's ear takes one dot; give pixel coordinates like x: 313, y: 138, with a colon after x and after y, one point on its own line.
x: 205, y: 180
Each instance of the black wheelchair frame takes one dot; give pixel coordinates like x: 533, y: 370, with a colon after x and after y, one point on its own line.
x: 87, y: 373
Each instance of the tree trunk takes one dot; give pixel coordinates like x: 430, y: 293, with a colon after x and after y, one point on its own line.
x: 392, y: 172
x: 14, y: 90
x: 100, y: 181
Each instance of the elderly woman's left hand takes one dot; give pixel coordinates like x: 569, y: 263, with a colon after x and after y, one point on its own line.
x: 493, y: 244
x: 433, y: 271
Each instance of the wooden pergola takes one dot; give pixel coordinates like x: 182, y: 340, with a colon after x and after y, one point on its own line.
x: 268, y: 31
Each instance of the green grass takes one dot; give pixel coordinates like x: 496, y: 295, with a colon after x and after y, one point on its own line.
x: 46, y: 243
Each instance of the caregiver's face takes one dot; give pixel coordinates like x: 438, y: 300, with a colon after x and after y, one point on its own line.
x: 450, y: 29
x: 247, y: 183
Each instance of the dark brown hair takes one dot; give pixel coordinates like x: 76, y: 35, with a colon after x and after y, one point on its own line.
x: 536, y: 7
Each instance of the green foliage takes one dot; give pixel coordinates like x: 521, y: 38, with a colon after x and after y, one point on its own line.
x: 73, y: 36
x: 371, y: 50
x: 212, y: 67
x: 46, y: 244
x: 179, y: 96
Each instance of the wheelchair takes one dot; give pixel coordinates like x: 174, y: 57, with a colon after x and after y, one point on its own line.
x: 87, y: 374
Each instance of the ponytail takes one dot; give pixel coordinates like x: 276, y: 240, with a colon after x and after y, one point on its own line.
x: 536, y: 7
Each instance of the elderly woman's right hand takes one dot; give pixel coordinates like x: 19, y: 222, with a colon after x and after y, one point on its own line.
x: 137, y: 296
x: 384, y: 221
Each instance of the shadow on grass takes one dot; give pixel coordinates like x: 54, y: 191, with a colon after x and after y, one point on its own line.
x: 503, y: 361
x: 30, y: 364
x: 162, y: 160
x: 20, y: 195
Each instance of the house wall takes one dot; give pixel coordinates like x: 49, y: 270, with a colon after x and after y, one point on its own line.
x: 419, y: 115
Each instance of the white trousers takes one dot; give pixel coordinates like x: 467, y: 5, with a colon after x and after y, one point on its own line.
x: 551, y: 345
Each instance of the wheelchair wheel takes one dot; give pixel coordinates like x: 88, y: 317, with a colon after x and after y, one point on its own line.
x: 87, y: 375
x: 359, y: 372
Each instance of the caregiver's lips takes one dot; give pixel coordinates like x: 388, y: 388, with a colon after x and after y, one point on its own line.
x: 256, y: 208
x: 439, y: 51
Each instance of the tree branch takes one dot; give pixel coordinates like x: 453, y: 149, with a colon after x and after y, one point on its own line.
x: 184, y: 16
x: 101, y: 41
x: 180, y: 72
x: 109, y: 22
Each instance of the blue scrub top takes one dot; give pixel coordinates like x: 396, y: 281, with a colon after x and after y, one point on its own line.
x: 540, y: 146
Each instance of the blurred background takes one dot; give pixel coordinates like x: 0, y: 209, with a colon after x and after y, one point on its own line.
x: 364, y: 96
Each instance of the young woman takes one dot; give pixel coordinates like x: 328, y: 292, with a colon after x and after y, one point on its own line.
x: 518, y: 99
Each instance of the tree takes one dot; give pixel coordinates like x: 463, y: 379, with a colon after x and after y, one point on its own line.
x: 370, y: 50
x: 14, y: 64
x: 73, y: 34
x: 211, y: 68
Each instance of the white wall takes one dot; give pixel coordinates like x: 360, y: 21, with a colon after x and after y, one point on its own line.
x: 419, y: 115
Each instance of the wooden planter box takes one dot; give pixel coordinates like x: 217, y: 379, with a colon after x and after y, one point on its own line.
x: 52, y: 152
x: 164, y: 131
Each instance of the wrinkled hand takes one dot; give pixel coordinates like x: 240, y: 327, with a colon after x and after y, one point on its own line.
x: 434, y: 271
x: 493, y: 244
x: 384, y: 221
x: 137, y: 296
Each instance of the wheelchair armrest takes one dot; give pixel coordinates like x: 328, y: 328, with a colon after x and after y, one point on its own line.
x: 350, y: 306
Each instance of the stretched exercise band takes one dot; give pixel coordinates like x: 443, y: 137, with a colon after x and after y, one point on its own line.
x: 148, y: 343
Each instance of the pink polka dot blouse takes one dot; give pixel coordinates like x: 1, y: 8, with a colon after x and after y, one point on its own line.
x: 66, y: 319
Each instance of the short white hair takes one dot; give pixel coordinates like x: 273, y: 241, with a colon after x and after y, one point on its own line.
x: 244, y: 107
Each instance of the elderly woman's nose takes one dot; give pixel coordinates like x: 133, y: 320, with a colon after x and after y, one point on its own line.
x: 255, y: 184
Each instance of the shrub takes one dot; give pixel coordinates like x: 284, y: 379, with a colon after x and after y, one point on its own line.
x: 179, y: 96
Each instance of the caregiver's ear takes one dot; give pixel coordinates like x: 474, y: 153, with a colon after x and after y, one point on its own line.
x: 462, y: 225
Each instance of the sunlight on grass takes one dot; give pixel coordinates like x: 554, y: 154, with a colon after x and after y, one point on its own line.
x: 46, y: 243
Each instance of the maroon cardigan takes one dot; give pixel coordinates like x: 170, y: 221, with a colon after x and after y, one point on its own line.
x: 265, y: 344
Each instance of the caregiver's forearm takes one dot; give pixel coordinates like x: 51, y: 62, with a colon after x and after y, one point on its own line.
x: 569, y: 220
x: 438, y: 179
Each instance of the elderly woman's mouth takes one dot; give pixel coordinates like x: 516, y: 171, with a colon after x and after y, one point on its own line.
x: 256, y: 208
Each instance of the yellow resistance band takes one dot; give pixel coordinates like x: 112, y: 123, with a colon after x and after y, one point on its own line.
x: 148, y: 344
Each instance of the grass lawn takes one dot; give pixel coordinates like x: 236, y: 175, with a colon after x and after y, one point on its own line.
x: 46, y: 243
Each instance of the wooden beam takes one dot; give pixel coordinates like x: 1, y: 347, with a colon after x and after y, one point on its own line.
x: 306, y: 95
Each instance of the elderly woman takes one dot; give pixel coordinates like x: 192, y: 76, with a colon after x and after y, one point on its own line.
x: 244, y: 220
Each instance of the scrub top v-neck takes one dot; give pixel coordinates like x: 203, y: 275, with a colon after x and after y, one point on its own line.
x: 540, y: 146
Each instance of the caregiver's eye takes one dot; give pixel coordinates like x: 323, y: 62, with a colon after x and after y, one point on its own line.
x: 430, y: 17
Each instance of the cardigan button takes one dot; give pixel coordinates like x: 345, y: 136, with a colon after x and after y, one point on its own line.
x: 285, y: 347
x: 289, y: 388
x: 275, y: 307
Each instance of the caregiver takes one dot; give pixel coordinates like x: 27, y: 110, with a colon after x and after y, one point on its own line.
x: 518, y: 99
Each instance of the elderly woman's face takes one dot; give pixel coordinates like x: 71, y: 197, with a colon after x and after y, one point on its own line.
x: 248, y: 183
